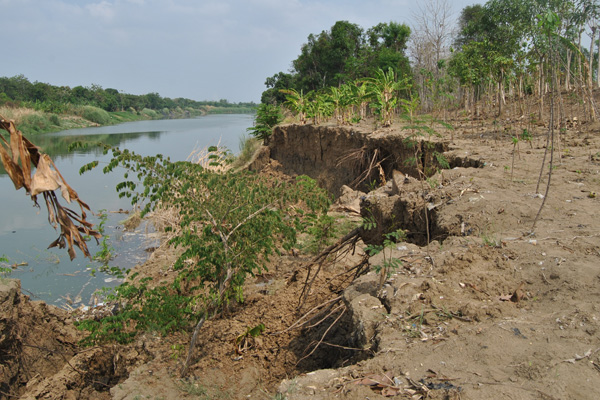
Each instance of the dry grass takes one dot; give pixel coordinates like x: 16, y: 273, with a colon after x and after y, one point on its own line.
x: 165, y: 217
x: 215, y: 161
x: 18, y: 114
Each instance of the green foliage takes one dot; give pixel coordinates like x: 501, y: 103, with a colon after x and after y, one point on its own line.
x: 385, y: 89
x: 390, y: 264
x: 321, y: 229
x: 95, y: 114
x: 526, y: 136
x: 18, y: 91
x: 369, y: 223
x: 267, y: 116
x: 230, y: 224
x: 151, y: 113
x: 342, y: 55
x: 441, y: 160
x: 4, y: 270
x: 251, y: 332
x: 106, y: 252
x: 160, y: 309
x: 35, y: 123
x: 297, y: 102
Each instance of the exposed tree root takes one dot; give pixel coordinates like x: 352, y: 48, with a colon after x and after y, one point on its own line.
x: 349, y: 240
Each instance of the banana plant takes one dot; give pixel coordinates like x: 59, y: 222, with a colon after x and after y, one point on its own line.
x: 384, y: 88
x: 315, y: 107
x: 297, y: 103
x: 336, y: 99
x: 360, y: 97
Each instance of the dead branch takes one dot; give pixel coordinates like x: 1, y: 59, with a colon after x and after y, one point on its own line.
x: 326, y: 316
x: 295, y: 324
x: 349, y: 239
x: 360, y: 157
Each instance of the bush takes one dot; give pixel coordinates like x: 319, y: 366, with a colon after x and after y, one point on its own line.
x: 230, y: 223
x: 150, y: 113
x: 54, y: 119
x: 35, y: 123
x: 95, y: 114
x: 267, y: 116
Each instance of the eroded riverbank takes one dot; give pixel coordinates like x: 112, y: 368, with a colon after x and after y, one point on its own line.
x: 483, y: 311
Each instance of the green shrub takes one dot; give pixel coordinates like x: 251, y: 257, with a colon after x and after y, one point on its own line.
x: 4, y: 268
x: 150, y: 113
x: 230, y: 224
x: 54, y: 119
x: 95, y: 114
x: 267, y: 116
x: 35, y: 123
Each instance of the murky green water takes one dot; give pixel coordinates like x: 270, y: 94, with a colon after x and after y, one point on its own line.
x: 24, y: 230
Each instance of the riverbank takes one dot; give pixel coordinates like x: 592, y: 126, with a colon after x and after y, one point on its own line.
x: 485, y: 310
x: 31, y: 121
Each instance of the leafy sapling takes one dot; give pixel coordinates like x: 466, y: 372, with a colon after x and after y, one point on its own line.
x: 389, y: 264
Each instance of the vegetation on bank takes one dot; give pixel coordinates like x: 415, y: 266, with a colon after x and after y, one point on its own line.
x: 501, y: 49
x: 229, y: 223
x: 40, y: 107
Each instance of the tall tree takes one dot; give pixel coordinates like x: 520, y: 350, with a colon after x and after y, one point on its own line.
x: 429, y: 46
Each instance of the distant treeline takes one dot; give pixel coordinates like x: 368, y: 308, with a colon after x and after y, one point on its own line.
x: 18, y: 91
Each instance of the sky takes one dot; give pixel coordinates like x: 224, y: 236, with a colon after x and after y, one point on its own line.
x: 197, y: 49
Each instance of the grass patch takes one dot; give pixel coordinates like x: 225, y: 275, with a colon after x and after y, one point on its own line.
x: 151, y: 114
x: 248, y: 146
x: 95, y: 114
x: 38, y: 122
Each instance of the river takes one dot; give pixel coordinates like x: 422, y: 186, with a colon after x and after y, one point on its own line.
x: 48, y: 274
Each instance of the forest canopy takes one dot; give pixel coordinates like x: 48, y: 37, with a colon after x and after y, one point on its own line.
x: 344, y: 53
x: 491, y: 51
x: 18, y: 91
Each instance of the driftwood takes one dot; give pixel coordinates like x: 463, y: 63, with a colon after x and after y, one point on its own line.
x: 18, y: 155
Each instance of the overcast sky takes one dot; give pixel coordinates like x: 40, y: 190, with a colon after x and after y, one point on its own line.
x: 198, y: 49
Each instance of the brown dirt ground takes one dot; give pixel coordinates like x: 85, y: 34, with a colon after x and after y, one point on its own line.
x: 486, y: 312
x: 449, y: 319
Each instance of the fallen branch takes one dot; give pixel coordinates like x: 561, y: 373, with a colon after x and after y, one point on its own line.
x: 350, y: 238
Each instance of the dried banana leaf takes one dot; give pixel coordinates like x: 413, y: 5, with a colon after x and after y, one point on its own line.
x: 18, y: 155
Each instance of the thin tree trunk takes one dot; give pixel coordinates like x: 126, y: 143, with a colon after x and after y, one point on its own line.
x: 541, y: 86
x: 598, y: 63
x: 568, y: 74
x: 550, y: 138
x: 580, y: 58
x: 591, y: 69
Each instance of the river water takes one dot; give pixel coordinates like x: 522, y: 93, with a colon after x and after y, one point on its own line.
x: 48, y: 274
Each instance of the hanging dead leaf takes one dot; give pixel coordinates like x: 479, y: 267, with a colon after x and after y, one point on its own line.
x: 17, y: 157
